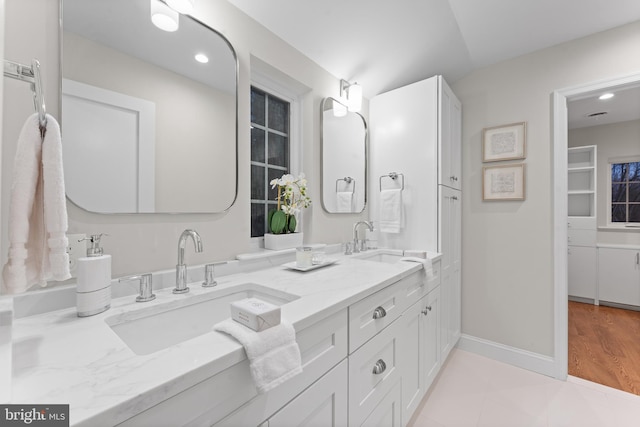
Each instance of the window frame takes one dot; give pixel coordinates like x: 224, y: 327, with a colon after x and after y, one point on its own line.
x: 610, y: 163
x: 269, y: 85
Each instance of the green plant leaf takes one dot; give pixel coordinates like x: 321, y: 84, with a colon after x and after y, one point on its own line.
x: 278, y: 222
x: 292, y: 223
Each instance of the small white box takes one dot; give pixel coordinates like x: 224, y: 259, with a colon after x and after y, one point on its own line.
x: 255, y: 313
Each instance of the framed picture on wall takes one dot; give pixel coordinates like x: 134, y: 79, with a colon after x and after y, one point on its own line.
x: 507, y: 142
x: 503, y: 182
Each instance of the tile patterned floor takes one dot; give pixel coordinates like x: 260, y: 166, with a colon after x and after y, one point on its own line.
x: 475, y: 391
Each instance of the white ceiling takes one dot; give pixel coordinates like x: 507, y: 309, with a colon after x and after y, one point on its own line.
x: 385, y: 44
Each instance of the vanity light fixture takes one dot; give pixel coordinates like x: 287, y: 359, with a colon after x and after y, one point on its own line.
x: 202, y: 58
x: 606, y: 96
x: 181, y: 6
x: 353, y: 95
x: 163, y: 16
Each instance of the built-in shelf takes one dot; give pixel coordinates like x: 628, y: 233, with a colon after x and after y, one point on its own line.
x: 582, y: 181
x: 582, y: 231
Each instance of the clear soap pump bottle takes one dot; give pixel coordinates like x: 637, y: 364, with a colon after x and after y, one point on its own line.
x: 93, y: 293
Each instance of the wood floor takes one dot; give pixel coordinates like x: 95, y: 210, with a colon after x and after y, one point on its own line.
x: 604, y: 345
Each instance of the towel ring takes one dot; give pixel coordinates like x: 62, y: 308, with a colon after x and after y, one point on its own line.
x: 348, y: 180
x: 393, y: 176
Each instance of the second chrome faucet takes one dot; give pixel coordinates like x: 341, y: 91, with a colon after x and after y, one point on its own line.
x: 181, y: 268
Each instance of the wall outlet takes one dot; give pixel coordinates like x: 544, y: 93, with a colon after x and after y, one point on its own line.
x: 77, y: 248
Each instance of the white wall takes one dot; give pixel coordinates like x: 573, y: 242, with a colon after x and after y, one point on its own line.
x: 507, y: 275
x: 148, y: 242
x: 613, y: 141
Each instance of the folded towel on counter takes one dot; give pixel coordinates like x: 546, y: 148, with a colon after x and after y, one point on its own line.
x: 391, y: 211
x: 274, y: 355
x: 38, y: 210
x: 344, y: 201
x: 426, y: 262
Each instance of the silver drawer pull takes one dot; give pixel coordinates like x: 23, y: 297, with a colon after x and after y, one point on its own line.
x: 379, y: 367
x: 426, y: 310
x: 379, y: 313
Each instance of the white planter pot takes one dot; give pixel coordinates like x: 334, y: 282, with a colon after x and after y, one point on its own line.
x: 277, y: 242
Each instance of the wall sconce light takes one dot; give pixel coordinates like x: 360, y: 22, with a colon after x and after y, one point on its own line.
x: 163, y: 16
x: 353, y: 95
x: 181, y: 6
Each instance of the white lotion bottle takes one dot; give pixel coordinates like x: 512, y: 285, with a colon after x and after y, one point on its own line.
x: 93, y: 293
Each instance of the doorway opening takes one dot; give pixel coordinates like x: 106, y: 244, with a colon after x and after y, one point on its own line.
x: 562, y: 104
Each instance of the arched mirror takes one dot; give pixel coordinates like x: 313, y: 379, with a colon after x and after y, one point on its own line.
x: 344, y: 158
x: 147, y: 128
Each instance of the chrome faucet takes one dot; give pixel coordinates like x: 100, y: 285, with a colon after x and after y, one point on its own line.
x: 181, y: 268
x: 356, y: 246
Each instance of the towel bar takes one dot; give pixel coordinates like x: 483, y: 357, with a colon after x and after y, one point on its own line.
x: 394, y: 176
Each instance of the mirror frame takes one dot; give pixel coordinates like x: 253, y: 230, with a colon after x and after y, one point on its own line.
x: 237, y: 83
x: 323, y: 105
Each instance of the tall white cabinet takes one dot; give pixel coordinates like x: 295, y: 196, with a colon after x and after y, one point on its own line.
x: 416, y: 131
x: 582, y: 223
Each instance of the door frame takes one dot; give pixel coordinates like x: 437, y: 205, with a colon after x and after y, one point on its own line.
x: 560, y: 145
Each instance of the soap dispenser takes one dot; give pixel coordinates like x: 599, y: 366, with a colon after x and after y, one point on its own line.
x: 93, y: 293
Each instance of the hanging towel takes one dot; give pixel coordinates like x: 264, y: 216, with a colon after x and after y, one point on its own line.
x: 344, y: 200
x: 391, y: 213
x: 274, y: 355
x: 38, y: 210
x: 426, y: 263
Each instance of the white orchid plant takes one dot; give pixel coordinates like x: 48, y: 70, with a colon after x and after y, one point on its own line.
x: 292, y: 197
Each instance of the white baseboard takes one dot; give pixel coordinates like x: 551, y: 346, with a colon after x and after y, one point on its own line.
x: 513, y: 356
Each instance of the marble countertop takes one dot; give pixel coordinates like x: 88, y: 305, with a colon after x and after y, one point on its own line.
x: 60, y: 358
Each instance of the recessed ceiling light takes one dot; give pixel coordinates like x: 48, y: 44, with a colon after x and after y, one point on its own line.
x: 202, y: 58
x: 606, y: 96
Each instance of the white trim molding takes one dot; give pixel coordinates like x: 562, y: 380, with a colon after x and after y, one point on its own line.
x: 513, y: 356
x: 560, y: 209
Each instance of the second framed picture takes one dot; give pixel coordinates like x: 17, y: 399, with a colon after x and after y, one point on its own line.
x: 507, y: 142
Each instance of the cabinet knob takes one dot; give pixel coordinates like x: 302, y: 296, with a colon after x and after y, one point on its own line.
x: 453, y: 178
x: 379, y: 313
x: 426, y: 310
x: 455, y: 197
x: 379, y: 367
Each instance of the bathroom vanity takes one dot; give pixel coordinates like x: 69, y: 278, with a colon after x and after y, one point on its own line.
x: 368, y: 328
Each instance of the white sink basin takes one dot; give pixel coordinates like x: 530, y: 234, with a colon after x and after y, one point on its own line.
x: 151, y: 329
x: 389, y: 258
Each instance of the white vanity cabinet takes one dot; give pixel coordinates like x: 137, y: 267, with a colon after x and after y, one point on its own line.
x: 232, y: 393
x: 419, y: 350
x: 322, y: 404
x: 619, y: 275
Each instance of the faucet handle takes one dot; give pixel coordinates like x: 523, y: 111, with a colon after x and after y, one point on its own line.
x: 209, y: 274
x: 146, y: 286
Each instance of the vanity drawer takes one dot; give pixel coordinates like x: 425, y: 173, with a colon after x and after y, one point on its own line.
x: 371, y: 315
x: 322, y: 346
x: 366, y: 388
x: 581, y: 237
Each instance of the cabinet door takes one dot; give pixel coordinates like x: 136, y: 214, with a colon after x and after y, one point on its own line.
x: 411, y: 355
x: 449, y: 137
x: 324, y: 404
x: 455, y: 291
x: 388, y: 412
x: 619, y: 275
x: 430, y: 337
x: 582, y: 272
x: 445, y: 247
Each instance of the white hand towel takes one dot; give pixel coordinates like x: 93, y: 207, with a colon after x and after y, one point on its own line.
x: 38, y: 210
x: 274, y: 355
x: 344, y: 200
x: 426, y: 263
x: 391, y: 212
